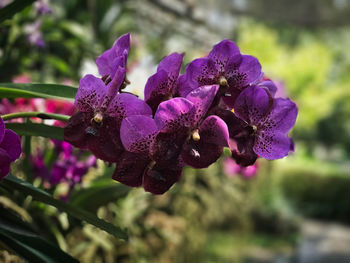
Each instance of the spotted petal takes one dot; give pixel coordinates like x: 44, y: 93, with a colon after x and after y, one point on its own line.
x: 91, y: 93
x: 157, y: 89
x: 272, y: 146
x: 203, y: 72
x: 137, y: 132
x: 282, y: 116
x: 222, y: 52
x: 125, y: 104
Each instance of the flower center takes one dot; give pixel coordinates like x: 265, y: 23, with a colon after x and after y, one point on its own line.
x: 98, y: 117
x: 195, y: 135
x: 254, y: 128
x: 223, y: 81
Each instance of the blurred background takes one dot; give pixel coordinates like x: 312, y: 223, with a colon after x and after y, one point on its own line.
x: 292, y: 210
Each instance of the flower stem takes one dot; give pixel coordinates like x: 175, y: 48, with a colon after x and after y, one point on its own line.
x: 41, y: 115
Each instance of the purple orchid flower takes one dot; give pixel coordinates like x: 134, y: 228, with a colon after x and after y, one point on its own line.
x: 260, y: 126
x: 34, y: 34
x: 162, y: 85
x: 101, y: 110
x: 231, y: 169
x: 225, y: 66
x: 159, y: 148
x: 10, y: 148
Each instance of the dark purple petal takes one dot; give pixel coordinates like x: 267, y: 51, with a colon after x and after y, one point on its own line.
x: 203, y: 72
x: 91, y: 93
x: 175, y: 114
x: 2, y: 129
x: 270, y: 86
x: 11, y: 143
x: 213, y: 137
x: 104, y: 142
x: 253, y: 104
x: 214, y: 130
x: 242, y: 151
x: 272, y: 146
x: 125, y: 104
x: 77, y: 127
x: 130, y: 168
x: 137, y: 132
x: 172, y: 65
x: 157, y: 89
x: 202, y: 99
x: 282, y: 116
x: 222, y: 52
x: 4, y: 164
x: 106, y: 61
x: 161, y: 177
x: 116, y: 82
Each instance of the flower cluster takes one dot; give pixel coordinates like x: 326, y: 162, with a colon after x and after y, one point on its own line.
x: 220, y: 101
x: 10, y: 149
x: 68, y: 166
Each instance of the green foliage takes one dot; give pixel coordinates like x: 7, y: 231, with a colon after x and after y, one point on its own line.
x: 35, y: 129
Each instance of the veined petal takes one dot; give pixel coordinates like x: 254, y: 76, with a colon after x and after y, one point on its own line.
x: 130, y: 168
x: 253, y: 105
x: 272, y: 146
x: 222, y: 52
x: 249, y: 70
x: 137, y: 132
x: 11, y: 143
x: 202, y: 99
x: 90, y: 95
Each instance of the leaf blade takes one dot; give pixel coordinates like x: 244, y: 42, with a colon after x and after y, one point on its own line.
x: 36, y: 129
x: 37, y: 90
x: 10, y: 10
x: 42, y: 196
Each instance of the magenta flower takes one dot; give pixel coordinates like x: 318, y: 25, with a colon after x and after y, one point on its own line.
x: 101, y: 110
x: 179, y: 134
x: 162, y: 85
x: 225, y: 66
x: 10, y: 148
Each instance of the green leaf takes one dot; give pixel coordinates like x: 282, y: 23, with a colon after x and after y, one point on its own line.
x: 36, y: 129
x: 37, y: 90
x: 29, y: 245
x: 42, y: 196
x: 13, y: 8
x: 98, y: 194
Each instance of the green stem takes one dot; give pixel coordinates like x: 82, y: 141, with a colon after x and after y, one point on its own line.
x: 41, y: 115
